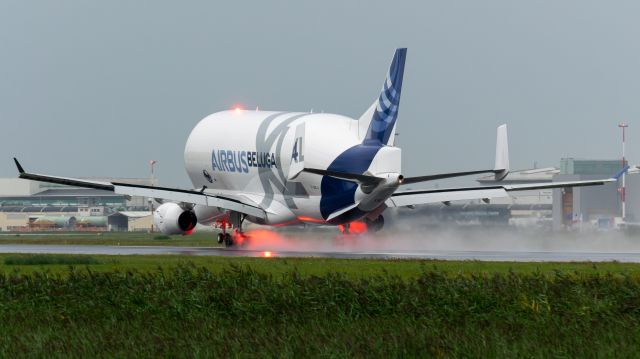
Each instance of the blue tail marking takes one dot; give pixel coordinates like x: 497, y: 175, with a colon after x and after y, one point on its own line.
x: 384, y: 118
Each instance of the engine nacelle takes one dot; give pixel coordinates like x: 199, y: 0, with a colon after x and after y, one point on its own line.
x: 170, y: 218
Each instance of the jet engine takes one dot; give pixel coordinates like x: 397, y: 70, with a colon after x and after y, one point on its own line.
x: 170, y: 218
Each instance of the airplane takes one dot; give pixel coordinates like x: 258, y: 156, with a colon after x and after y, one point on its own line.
x: 284, y: 168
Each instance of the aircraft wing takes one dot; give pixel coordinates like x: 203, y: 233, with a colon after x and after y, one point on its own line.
x: 165, y: 193
x: 410, y: 198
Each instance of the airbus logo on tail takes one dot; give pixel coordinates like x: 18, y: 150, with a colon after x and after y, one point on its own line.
x: 241, y: 161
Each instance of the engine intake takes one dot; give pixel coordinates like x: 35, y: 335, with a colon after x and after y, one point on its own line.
x: 170, y: 218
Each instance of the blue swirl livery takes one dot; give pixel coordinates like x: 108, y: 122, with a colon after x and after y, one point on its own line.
x: 386, y: 108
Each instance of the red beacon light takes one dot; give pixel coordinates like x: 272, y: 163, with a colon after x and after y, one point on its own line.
x: 237, y: 109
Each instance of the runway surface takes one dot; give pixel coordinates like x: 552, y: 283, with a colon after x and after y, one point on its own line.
x: 517, y: 256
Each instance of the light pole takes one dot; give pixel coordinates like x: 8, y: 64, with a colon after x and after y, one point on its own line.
x: 623, y: 126
x: 152, y: 164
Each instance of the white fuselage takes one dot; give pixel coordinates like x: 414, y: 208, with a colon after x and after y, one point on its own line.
x: 249, y: 155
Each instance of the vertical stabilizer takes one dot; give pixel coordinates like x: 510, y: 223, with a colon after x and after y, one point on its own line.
x: 380, y: 119
x: 501, y: 168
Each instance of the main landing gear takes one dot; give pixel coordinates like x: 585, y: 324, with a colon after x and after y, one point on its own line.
x: 237, y: 238
x: 362, y: 226
x: 225, y: 238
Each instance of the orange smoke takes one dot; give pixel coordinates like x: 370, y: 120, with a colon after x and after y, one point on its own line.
x: 355, y: 228
x: 263, y: 239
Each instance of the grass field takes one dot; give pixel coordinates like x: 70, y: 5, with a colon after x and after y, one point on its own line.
x: 191, y: 306
x: 350, y: 268
x: 198, y: 239
x: 176, y: 306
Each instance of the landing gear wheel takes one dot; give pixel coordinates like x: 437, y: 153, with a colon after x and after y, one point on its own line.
x: 240, y: 239
x: 220, y: 238
x: 228, y: 240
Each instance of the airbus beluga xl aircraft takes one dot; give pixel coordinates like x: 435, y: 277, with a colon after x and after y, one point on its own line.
x: 283, y: 168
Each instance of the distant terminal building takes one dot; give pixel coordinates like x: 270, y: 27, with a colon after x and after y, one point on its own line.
x: 591, y: 207
x: 130, y: 221
x: 29, y: 205
x: 596, y: 206
x: 19, y: 192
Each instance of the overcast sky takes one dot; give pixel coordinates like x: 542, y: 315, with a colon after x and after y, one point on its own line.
x: 98, y: 88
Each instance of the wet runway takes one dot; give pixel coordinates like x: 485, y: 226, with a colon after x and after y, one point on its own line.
x: 516, y: 256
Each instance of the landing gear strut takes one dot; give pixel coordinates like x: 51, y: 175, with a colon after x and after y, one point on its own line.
x: 225, y: 237
x: 238, y: 237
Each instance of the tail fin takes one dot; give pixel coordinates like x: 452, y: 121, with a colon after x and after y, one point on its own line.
x: 381, y: 116
x: 501, y: 168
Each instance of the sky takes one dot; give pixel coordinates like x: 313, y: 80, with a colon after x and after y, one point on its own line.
x: 99, y: 88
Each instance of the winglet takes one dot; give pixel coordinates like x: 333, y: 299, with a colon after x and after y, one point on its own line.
x: 501, y: 168
x: 20, y: 169
x: 620, y: 173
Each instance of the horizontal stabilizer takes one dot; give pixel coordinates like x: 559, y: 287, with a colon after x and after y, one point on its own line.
x: 410, y: 180
x: 360, y: 178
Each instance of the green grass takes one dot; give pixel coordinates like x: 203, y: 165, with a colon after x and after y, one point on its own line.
x: 183, y: 306
x: 351, y: 268
x: 191, y: 311
x: 50, y: 259
x: 198, y: 239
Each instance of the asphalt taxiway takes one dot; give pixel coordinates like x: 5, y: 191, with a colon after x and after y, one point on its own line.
x: 501, y: 256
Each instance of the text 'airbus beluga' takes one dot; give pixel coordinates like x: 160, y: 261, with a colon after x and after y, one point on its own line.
x: 284, y: 168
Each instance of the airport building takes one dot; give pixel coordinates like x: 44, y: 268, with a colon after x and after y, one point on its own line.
x: 589, y: 207
x: 36, y: 206
x: 597, y: 207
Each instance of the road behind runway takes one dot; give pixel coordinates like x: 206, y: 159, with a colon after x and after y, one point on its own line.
x: 517, y: 256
